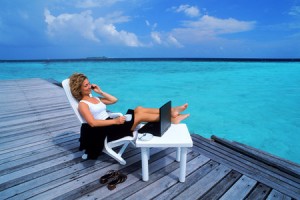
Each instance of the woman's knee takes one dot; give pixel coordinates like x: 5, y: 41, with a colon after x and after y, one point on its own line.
x: 138, y: 109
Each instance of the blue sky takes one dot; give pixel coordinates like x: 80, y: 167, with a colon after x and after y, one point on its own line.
x: 48, y: 29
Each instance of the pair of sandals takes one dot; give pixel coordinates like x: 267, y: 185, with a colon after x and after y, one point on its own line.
x: 115, y: 177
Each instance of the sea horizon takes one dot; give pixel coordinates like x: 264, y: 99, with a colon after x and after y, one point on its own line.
x: 189, y: 59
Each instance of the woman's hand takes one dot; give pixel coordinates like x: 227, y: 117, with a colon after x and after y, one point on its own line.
x: 120, y: 120
x: 106, y: 98
x: 96, y: 88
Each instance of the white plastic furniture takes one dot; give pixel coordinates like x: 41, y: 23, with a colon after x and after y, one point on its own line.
x: 176, y: 136
x: 108, y: 146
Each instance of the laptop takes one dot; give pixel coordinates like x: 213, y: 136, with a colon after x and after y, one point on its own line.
x: 160, y: 127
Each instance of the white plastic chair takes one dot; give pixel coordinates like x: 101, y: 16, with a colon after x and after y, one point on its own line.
x: 108, y: 146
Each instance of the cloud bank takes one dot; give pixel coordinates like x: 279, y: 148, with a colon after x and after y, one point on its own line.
x: 202, y: 29
x: 100, y: 30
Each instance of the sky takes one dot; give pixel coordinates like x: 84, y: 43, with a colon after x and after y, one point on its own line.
x: 58, y: 29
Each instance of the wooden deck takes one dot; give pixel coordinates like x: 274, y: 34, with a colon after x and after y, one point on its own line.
x: 39, y: 159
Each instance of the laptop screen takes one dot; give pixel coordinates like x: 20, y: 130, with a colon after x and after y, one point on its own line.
x: 165, y: 117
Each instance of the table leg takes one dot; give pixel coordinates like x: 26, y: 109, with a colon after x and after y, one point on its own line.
x: 178, y: 154
x: 182, y: 164
x: 148, y: 153
x: 145, y: 170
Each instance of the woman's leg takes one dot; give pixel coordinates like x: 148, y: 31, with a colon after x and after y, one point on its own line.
x: 141, y: 109
x: 152, y: 115
x: 179, y: 118
x: 144, y: 117
x: 175, y: 111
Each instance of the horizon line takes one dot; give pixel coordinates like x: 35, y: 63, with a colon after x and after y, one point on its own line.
x: 103, y: 58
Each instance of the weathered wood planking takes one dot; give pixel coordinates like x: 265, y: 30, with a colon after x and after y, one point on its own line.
x: 39, y: 159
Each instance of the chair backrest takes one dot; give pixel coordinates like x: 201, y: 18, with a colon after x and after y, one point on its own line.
x: 73, y: 102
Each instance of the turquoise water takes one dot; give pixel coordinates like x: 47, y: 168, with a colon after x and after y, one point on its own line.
x: 255, y: 103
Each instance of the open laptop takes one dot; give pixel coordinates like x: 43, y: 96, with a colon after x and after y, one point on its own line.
x: 160, y: 127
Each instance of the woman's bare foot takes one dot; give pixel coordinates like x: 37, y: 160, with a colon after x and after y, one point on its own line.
x: 177, y: 110
x: 179, y: 118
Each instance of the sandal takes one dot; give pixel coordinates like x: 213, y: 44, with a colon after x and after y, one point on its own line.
x: 110, y: 174
x: 119, y: 179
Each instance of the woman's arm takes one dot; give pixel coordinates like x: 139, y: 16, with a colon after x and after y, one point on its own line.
x: 106, y: 98
x: 89, y: 118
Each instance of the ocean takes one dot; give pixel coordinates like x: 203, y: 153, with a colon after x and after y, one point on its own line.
x: 253, y: 102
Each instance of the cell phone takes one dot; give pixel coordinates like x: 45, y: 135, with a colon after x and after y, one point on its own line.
x: 93, y: 87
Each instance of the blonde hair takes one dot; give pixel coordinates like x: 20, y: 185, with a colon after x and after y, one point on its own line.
x: 76, y: 81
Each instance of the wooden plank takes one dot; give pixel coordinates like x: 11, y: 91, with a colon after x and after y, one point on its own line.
x: 204, y: 184
x: 60, y: 139
x: 62, y: 174
x: 240, y: 189
x: 267, y: 170
x: 191, y: 179
x: 220, y: 188
x: 284, y: 165
x: 251, y: 171
x: 36, y: 131
x: 133, y: 172
x: 281, y: 174
x: 276, y: 195
x: 32, y: 141
x: 241, y: 169
x: 85, y: 183
x: 157, y: 169
x: 239, y: 163
x: 167, y: 181
x: 25, y: 174
x: 32, y: 160
x: 12, y: 123
x: 260, y: 192
x: 28, y: 152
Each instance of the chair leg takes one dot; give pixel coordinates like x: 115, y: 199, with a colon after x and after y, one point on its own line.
x: 115, y: 156
x: 109, y: 151
x: 84, y: 156
x: 123, y: 149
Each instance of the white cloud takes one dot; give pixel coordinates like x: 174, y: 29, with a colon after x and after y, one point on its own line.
x: 70, y: 24
x: 147, y: 23
x: 152, y: 26
x: 94, y: 3
x: 165, y: 39
x: 191, y: 11
x: 156, y: 37
x: 220, y: 26
x: 84, y: 25
x: 116, y: 17
x: 109, y: 32
x: 295, y: 11
x: 173, y: 41
x: 208, y: 27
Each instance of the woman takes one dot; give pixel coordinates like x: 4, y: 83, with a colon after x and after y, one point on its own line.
x: 93, y: 110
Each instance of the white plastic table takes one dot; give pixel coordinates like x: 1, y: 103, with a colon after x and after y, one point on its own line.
x: 176, y: 136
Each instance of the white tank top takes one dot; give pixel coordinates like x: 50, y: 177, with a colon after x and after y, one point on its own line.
x: 98, y: 110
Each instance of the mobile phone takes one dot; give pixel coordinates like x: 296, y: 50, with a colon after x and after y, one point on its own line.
x: 93, y: 87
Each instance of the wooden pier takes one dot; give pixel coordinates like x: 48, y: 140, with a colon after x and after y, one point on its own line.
x: 39, y: 158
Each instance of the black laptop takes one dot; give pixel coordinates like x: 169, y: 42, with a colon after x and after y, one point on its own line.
x: 160, y: 127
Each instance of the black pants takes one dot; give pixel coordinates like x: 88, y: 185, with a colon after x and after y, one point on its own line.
x: 92, y: 138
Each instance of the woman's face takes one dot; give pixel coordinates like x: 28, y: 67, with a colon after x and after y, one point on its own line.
x: 85, y: 87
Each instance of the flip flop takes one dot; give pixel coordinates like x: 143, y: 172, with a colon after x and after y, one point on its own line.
x: 119, y: 179
x: 110, y: 174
